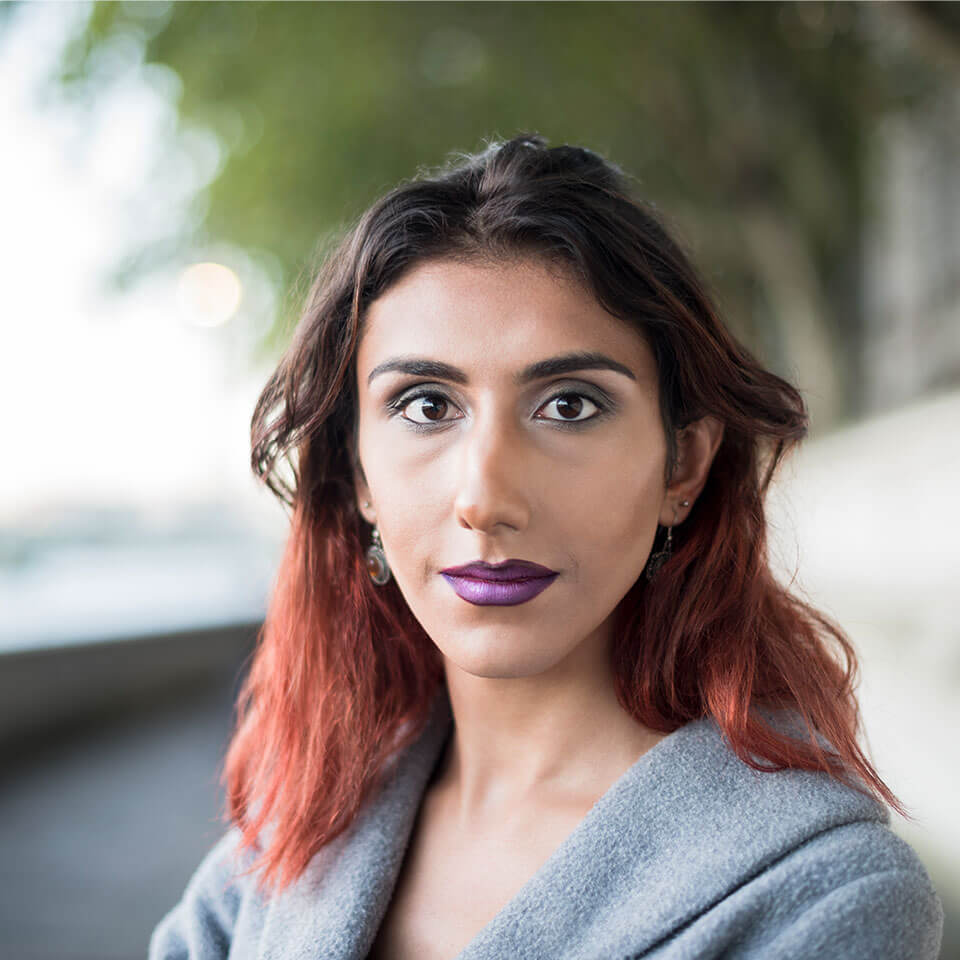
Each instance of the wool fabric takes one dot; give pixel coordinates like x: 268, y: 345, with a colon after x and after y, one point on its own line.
x: 691, y: 853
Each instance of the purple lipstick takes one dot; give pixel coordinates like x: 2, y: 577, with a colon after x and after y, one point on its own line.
x: 500, y: 584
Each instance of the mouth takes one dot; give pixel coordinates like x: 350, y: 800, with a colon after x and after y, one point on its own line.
x: 507, y: 571
x: 507, y: 593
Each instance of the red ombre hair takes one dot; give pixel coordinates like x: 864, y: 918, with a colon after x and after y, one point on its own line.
x: 343, y: 674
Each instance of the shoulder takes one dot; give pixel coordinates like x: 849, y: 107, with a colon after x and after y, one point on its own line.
x: 854, y: 890
x: 797, y: 863
x: 711, y: 787
x: 219, y: 899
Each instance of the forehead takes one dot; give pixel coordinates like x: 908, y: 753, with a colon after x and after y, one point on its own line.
x: 493, y: 318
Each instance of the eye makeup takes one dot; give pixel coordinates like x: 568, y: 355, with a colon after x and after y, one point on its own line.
x: 605, y: 404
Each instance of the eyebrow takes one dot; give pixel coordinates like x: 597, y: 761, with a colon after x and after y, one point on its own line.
x: 551, y: 367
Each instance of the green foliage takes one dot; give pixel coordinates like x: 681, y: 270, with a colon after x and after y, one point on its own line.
x: 719, y: 110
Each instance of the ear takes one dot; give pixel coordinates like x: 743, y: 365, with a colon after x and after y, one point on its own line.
x: 362, y: 490
x: 697, y: 445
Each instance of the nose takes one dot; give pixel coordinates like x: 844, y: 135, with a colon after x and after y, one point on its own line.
x: 494, y: 474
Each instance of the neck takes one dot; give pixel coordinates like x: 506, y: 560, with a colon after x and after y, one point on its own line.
x: 556, y: 738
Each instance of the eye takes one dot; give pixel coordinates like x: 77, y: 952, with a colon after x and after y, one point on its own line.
x: 432, y: 410
x: 570, y: 406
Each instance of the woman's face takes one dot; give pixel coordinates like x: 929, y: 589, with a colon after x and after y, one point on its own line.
x: 486, y: 462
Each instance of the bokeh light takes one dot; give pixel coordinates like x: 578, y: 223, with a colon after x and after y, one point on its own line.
x: 208, y: 294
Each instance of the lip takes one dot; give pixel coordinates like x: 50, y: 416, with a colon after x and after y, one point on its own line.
x: 498, y: 592
x: 506, y: 570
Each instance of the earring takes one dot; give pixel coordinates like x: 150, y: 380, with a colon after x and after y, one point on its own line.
x: 658, y: 559
x: 377, y: 565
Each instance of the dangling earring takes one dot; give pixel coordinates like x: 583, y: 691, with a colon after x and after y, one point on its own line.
x: 658, y: 559
x: 377, y: 565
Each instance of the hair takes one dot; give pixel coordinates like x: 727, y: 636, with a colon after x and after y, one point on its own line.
x: 343, y: 674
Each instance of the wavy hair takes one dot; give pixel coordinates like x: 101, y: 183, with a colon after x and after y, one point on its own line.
x: 343, y: 674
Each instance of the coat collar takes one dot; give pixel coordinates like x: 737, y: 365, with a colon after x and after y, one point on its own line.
x: 682, y: 827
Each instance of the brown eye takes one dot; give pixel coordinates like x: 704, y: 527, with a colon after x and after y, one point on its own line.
x: 431, y: 405
x: 570, y: 406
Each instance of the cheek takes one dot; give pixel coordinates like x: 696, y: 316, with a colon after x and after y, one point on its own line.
x: 412, y: 518
x: 615, y: 500
x: 609, y: 521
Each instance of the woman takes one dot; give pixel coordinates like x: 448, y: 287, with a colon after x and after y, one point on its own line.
x: 527, y: 686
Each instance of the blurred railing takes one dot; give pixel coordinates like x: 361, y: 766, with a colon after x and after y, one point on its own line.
x: 101, y: 612
x: 46, y: 690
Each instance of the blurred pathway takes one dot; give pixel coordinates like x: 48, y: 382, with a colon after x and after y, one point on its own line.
x: 100, y: 832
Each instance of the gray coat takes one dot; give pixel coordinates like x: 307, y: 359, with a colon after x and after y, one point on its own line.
x: 689, y: 854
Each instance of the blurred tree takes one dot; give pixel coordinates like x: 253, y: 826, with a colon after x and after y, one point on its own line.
x: 747, y: 123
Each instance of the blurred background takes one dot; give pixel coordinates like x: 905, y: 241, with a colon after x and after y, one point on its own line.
x: 170, y: 174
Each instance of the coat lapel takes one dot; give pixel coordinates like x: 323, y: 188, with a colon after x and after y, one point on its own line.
x: 334, y: 909
x: 679, y: 830
x: 682, y: 828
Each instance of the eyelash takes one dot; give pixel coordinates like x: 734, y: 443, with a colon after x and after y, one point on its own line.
x: 397, y: 405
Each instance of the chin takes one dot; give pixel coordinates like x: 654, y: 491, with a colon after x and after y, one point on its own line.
x: 500, y: 660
